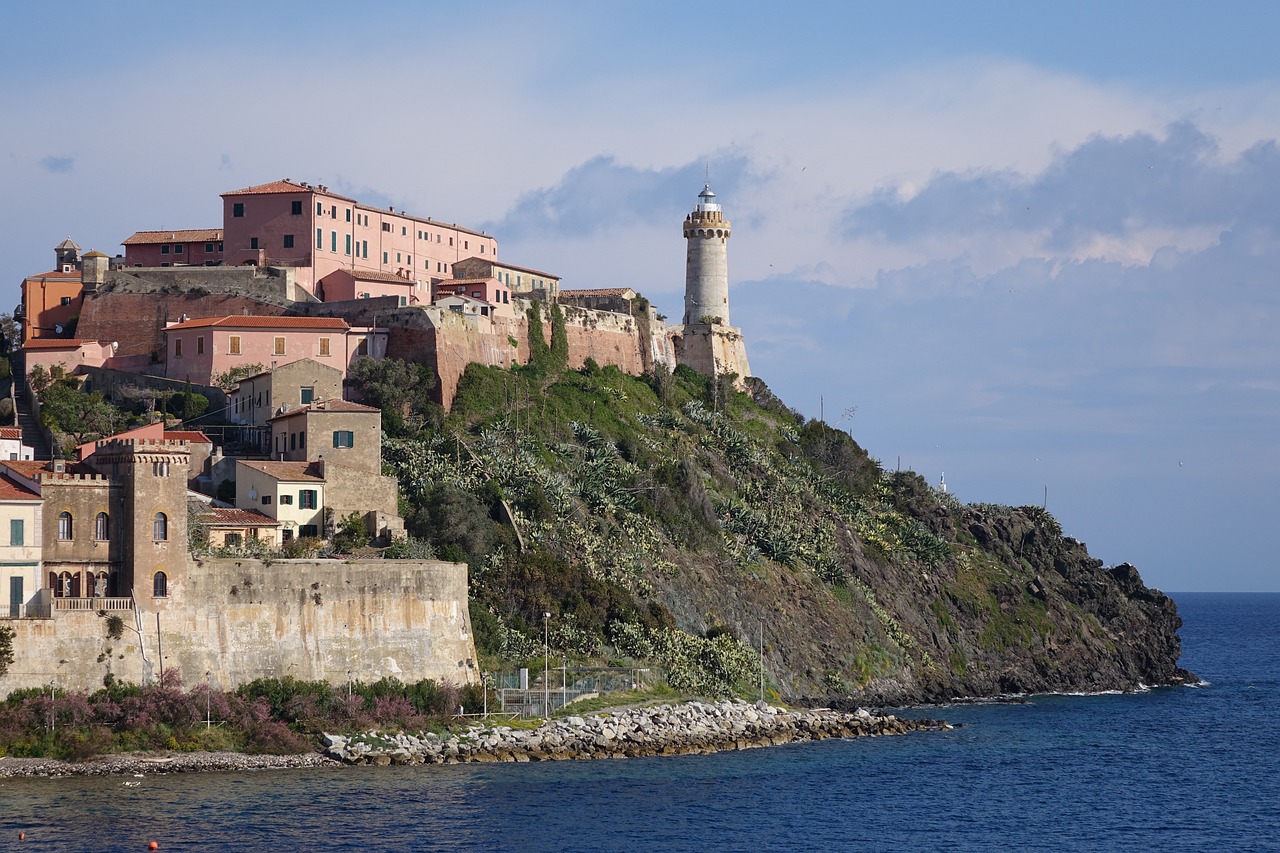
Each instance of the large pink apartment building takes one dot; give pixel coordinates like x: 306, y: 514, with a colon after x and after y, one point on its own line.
x: 286, y: 223
x: 200, y: 350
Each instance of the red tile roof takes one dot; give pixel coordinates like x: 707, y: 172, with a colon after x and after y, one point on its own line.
x: 292, y: 472
x: 190, y: 235
x: 11, y: 491
x: 10, y: 432
x: 33, y: 468
x: 257, y: 321
x: 601, y: 291
x: 286, y: 186
x: 189, y: 435
x: 374, y: 275
x: 326, y: 406
x: 74, y: 275
x: 235, y: 517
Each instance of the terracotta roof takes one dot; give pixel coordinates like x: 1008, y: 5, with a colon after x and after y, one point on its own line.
x: 506, y: 266
x: 11, y: 491
x: 190, y: 235
x: 33, y: 468
x: 67, y: 244
x: 293, y: 472
x: 58, y: 274
x: 601, y: 291
x: 286, y: 186
x: 258, y: 321
x: 374, y: 275
x: 326, y: 406
x: 192, y: 436
x: 56, y: 343
x: 236, y: 517
x: 11, y: 432
x: 465, y: 282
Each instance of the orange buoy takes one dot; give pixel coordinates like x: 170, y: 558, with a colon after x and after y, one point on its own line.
x: 151, y: 845
x: 22, y: 836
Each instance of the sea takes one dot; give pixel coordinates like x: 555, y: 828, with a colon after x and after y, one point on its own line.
x: 1185, y: 768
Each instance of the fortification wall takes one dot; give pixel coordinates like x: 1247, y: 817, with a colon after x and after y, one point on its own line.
x: 712, y: 349
x: 136, y: 320
x: 244, y: 619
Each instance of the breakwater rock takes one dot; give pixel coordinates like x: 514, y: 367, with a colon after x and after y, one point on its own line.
x: 686, y: 729
x: 154, y: 765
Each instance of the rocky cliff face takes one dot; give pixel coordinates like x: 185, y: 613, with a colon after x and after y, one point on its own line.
x: 675, y: 522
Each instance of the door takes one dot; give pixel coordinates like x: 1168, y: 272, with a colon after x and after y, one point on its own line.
x: 15, y: 597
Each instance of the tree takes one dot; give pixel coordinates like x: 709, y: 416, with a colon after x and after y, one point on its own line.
x: 402, y: 389
x: 66, y: 408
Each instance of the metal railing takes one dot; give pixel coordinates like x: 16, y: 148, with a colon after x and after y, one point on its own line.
x: 27, y: 611
x: 565, y: 686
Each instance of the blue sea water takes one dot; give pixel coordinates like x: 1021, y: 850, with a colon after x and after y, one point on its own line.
x: 1170, y: 769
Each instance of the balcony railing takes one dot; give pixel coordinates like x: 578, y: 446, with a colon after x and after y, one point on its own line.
x: 27, y: 611
x: 93, y: 604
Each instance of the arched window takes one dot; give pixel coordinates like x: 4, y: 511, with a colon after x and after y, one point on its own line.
x: 64, y: 526
x: 102, y: 527
x: 160, y: 527
x: 160, y: 585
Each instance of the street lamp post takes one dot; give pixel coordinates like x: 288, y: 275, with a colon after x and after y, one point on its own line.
x: 546, y: 665
x: 208, y: 715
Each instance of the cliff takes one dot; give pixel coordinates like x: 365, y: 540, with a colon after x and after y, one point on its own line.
x: 674, y: 521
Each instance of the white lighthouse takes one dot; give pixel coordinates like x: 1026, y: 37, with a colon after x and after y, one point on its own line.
x: 706, y: 280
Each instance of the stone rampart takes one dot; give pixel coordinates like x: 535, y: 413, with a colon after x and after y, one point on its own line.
x: 242, y: 619
x: 136, y: 321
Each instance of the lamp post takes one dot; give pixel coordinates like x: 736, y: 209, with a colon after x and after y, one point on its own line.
x: 564, y: 680
x: 53, y: 716
x: 546, y: 665
x: 484, y: 686
x: 348, y: 684
x: 208, y: 715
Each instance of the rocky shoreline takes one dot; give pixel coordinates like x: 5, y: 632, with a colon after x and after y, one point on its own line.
x: 691, y: 728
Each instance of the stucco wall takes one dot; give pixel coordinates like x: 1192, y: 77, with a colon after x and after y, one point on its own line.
x: 245, y: 619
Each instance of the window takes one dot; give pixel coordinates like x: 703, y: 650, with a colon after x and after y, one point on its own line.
x: 208, y: 248
x: 344, y: 438
x: 302, y: 441
x: 466, y: 244
x: 386, y: 226
x: 266, y: 500
x: 160, y: 527
x: 232, y: 540
x: 347, y: 249
x: 233, y: 345
x: 164, y: 250
x: 66, y: 526
x: 237, y: 209
x: 200, y: 345
x: 307, y: 500
x: 293, y: 445
x: 397, y: 257
x: 64, y: 301
x: 309, y: 391
x: 279, y: 349
x: 286, y: 500
x: 404, y: 232
x: 295, y: 208
x: 319, y: 209
x: 333, y: 241
x: 404, y: 300
x: 159, y: 585
x: 288, y: 241
x: 177, y: 347
x: 253, y: 242
x: 348, y: 214
x: 17, y: 535
x: 102, y: 527
x: 364, y: 248
x: 307, y: 531
x: 384, y: 257
x: 319, y: 238
x: 482, y: 248
x: 177, y: 248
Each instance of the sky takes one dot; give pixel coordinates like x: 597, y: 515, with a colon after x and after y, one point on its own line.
x: 1032, y: 248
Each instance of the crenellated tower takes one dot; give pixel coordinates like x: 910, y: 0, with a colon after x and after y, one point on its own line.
x: 706, y: 280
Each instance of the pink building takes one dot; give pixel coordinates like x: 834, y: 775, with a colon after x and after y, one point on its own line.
x: 489, y: 290
x: 70, y: 353
x: 286, y: 223
x: 369, y: 284
x: 200, y: 350
x: 192, y: 247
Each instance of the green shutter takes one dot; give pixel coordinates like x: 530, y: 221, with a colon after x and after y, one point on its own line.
x: 16, y: 532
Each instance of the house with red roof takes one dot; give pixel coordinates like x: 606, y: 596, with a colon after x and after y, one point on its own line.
x: 201, y: 349
x: 11, y: 446
x: 179, y: 247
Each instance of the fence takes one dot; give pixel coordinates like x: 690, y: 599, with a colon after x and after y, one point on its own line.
x: 27, y: 611
x: 93, y: 604
x: 564, y: 685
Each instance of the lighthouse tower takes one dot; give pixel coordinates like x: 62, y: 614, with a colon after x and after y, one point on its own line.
x: 706, y: 279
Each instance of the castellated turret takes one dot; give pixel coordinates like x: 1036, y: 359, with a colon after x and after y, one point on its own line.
x: 706, y: 280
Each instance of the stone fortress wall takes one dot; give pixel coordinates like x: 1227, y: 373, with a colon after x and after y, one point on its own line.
x: 240, y: 619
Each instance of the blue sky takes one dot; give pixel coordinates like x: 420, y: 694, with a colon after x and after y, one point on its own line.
x: 1035, y: 245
